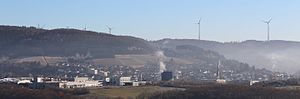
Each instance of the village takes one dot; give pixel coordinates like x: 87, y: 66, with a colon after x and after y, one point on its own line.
x: 87, y: 75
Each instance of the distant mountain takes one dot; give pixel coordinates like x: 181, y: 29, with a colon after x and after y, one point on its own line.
x: 16, y: 42
x: 275, y: 55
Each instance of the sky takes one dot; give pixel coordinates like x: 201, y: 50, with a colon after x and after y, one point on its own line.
x: 222, y: 20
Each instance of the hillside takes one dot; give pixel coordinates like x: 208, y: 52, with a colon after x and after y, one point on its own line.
x: 202, y: 60
x: 18, y: 42
x: 275, y: 55
x: 24, y: 47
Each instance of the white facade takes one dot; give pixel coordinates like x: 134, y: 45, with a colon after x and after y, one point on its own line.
x: 124, y: 80
x: 80, y: 82
x: 26, y: 78
x: 39, y: 79
x: 105, y: 74
x: 81, y: 79
x: 96, y: 72
x: 9, y: 80
x: 221, y: 81
x: 24, y: 82
x: 135, y: 83
x: 253, y: 82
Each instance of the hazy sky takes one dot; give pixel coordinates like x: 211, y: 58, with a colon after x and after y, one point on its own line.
x: 223, y: 20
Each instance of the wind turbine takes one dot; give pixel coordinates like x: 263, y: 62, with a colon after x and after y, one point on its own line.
x: 40, y: 26
x: 199, y: 28
x: 85, y: 28
x: 268, y: 31
x: 109, y: 29
x: 43, y: 26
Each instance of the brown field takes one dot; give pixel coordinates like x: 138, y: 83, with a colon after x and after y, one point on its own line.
x: 127, y: 92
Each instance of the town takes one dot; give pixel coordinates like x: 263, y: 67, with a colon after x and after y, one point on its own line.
x: 76, y: 75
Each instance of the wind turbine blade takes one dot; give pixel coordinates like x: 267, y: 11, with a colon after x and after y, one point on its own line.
x: 43, y: 26
x: 270, y: 20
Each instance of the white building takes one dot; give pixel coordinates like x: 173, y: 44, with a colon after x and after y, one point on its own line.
x: 14, y: 80
x: 105, y: 73
x: 96, y: 72
x: 135, y: 83
x: 81, y: 79
x: 221, y: 81
x: 253, y: 82
x: 125, y: 81
x: 24, y: 82
x: 40, y: 79
x: 80, y: 82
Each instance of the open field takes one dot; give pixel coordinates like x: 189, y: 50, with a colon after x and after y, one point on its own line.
x: 137, y: 61
x: 50, y: 60
x: 127, y: 92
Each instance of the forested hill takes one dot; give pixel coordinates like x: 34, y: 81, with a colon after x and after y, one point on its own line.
x: 277, y: 55
x: 29, y: 41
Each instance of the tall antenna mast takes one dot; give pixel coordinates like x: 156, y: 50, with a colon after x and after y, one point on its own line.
x: 218, y: 69
x: 109, y: 29
x: 268, y: 29
x: 141, y: 77
x: 199, y: 27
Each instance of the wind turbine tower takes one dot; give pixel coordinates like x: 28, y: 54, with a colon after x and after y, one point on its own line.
x: 199, y: 27
x: 84, y: 28
x: 268, y: 30
x: 109, y: 29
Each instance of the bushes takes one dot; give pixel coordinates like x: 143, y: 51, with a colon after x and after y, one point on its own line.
x: 12, y: 91
x: 228, y: 92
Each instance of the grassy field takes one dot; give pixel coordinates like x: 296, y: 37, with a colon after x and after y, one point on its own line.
x: 125, y: 92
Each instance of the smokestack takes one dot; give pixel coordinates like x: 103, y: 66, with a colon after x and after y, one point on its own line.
x: 218, y: 69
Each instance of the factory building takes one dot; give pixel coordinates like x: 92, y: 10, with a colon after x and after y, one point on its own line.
x: 125, y: 81
x: 80, y: 82
x: 166, y: 76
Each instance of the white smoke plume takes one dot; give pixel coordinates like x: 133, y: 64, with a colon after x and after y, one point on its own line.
x: 283, y: 61
x: 161, y: 57
x: 274, y: 61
